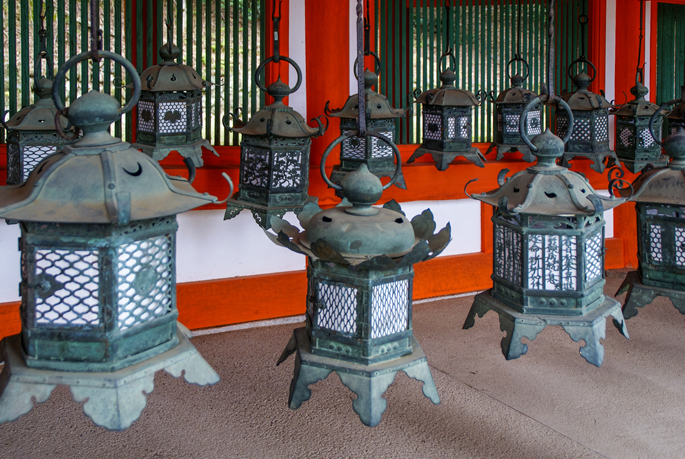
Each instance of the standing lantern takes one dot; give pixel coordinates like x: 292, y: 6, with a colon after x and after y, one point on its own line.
x: 98, y: 288
x: 447, y: 121
x: 659, y: 195
x: 169, y: 112
x: 635, y: 146
x: 274, y: 152
x: 380, y: 117
x: 360, y: 271
x: 31, y: 132
x: 590, y: 136
x: 548, y: 247
x: 509, y: 105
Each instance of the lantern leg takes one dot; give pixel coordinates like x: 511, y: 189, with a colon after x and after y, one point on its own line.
x: 16, y: 391
x: 479, y: 308
x: 597, y: 159
x: 369, y: 404
x: 640, y: 295
x: 516, y: 329
x: 303, y: 376
x: 593, y: 351
x: 422, y: 373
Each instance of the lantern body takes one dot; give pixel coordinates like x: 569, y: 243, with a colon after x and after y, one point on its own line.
x: 675, y: 119
x: 661, y: 244
x: 548, y: 264
x: 107, y: 290
x: 169, y: 118
x: 635, y: 146
x: 365, y: 318
x: 377, y: 155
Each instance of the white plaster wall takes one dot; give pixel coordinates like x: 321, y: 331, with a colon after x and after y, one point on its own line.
x: 9, y: 262
x: 648, y: 46
x: 297, y: 52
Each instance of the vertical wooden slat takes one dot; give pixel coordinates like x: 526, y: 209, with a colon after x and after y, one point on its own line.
x: 118, y: 38
x: 235, y: 66
x: 106, y: 44
x: 128, y: 11
x: 245, y: 66
x: 227, y: 55
x: 411, y: 65
x: 403, y: 64
x: 24, y: 18
x: 219, y: 70
x: 207, y: 38
x: 2, y: 77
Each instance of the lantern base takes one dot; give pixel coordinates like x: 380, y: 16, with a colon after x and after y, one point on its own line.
x: 368, y: 382
x: 262, y: 214
x: 590, y: 327
x: 443, y: 159
x: 191, y: 150
x: 338, y: 175
x: 114, y: 399
x: 640, y: 295
x: 596, y: 158
x: 635, y: 166
x: 502, y: 149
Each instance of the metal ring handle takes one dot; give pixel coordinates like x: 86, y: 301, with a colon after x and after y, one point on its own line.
x: 395, y: 151
x: 453, y: 60
x: 127, y: 65
x: 260, y: 85
x: 518, y: 58
x: 2, y: 120
x: 531, y: 104
x: 653, y: 118
x: 377, y: 66
x: 581, y: 60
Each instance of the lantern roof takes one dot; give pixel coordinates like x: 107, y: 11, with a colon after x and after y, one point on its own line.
x: 98, y: 179
x: 638, y: 106
x: 377, y: 105
x: 663, y: 185
x: 41, y: 115
x: 277, y: 119
x: 517, y: 94
x: 677, y: 113
x: 546, y: 188
x: 354, y: 233
x: 447, y: 94
x: 170, y: 76
x: 583, y: 99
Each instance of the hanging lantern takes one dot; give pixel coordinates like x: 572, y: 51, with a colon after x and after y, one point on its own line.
x: 31, y: 132
x: 447, y: 121
x: 590, y: 138
x: 360, y: 292
x: 169, y: 112
x: 508, y: 107
x: 380, y: 117
x: 635, y: 145
x: 659, y: 195
x: 548, y: 253
x: 274, y: 152
x: 676, y: 118
x: 98, y: 222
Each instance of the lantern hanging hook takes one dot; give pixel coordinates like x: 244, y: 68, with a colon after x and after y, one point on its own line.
x: 95, y: 31
x: 546, y: 99
x: 662, y: 108
x: 42, y: 48
x: 361, y: 93
x: 640, y: 72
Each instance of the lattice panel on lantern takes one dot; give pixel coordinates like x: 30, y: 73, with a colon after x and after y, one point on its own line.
x: 380, y: 149
x: 464, y: 127
x: 562, y: 126
x: 34, y: 154
x: 508, y: 254
x: 499, y: 122
x: 513, y: 122
x: 287, y: 170
x: 581, y: 129
x: 626, y: 137
x: 144, y: 280
x: 389, y: 308
x: 451, y: 128
x: 647, y: 139
x: 593, y: 257
x: 197, y: 109
x: 146, y: 116
x: 602, y: 129
x: 337, y: 307
x: 71, y: 296
x: 655, y: 243
x: 679, y: 246
x: 353, y: 147
x: 255, y: 167
x: 172, y: 117
x: 552, y: 262
x: 432, y: 126
x: 534, y: 120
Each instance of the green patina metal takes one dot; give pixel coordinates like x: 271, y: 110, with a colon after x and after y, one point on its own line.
x: 359, y: 300
x: 381, y: 118
x: 447, y: 121
x: 508, y: 107
x: 169, y: 112
x: 659, y: 196
x: 98, y: 222
x: 274, y: 152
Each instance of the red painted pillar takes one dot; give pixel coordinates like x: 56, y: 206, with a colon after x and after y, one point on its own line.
x: 328, y: 73
x: 597, y: 14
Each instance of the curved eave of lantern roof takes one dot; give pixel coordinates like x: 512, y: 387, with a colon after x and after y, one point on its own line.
x: 660, y: 186
x: 39, y: 116
x: 547, y: 191
x: 448, y: 96
x: 279, y: 120
x: 377, y: 107
x: 86, y: 185
x: 677, y: 112
x: 637, y: 107
x: 516, y: 95
x: 169, y: 77
x: 582, y: 99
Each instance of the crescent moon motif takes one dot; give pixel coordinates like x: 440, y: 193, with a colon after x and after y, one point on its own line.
x: 136, y: 173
